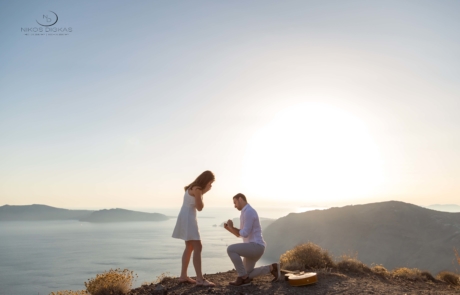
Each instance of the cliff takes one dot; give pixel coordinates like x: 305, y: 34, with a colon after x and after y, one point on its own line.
x: 394, y: 234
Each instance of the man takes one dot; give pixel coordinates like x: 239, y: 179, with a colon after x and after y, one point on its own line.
x: 253, y: 245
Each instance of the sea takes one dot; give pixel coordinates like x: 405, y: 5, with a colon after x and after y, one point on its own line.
x: 48, y: 256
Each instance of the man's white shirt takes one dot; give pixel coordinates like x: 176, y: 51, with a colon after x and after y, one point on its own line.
x: 251, y: 231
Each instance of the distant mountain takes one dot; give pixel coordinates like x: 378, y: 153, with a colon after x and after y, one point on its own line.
x: 43, y: 213
x: 122, y: 215
x: 39, y: 213
x: 394, y: 234
x: 445, y: 207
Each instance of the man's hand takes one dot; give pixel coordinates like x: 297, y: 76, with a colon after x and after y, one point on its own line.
x: 229, y: 226
x: 230, y: 223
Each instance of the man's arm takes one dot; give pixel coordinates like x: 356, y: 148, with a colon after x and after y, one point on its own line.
x: 249, y: 220
x: 232, y: 229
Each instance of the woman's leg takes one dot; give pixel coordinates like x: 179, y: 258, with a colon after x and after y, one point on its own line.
x: 197, y: 247
x: 185, y: 261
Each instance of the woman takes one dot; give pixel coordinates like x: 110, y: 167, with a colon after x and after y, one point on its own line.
x: 187, y: 227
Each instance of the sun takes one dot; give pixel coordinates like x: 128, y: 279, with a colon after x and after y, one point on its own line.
x: 312, y: 153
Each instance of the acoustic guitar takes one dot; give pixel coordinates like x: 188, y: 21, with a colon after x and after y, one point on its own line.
x: 301, y: 278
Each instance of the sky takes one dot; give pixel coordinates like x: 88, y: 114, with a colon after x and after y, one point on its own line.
x: 293, y: 103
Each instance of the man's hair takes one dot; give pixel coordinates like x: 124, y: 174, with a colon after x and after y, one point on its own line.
x: 239, y: 195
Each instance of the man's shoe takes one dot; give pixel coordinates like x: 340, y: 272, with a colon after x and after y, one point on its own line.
x: 240, y: 282
x: 276, y: 271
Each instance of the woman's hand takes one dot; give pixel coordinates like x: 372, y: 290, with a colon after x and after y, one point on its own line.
x: 198, y: 194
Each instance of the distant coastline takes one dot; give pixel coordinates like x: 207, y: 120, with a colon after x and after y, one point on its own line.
x: 122, y: 215
x: 445, y: 207
x: 38, y: 212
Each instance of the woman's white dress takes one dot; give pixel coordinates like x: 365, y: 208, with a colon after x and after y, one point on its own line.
x: 187, y: 224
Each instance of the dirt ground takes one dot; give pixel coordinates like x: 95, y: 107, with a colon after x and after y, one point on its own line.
x: 328, y: 283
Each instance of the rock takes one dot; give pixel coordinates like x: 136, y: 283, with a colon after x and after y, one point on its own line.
x: 160, y: 290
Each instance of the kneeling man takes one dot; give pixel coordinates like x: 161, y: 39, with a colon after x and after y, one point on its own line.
x: 253, y: 245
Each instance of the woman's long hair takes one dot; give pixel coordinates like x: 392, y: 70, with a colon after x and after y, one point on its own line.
x: 202, y: 180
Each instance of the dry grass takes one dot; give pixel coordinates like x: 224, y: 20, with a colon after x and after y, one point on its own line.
x: 350, y: 263
x: 164, y: 278
x: 112, y: 282
x: 380, y: 270
x: 427, y: 276
x: 413, y: 274
x: 449, y: 277
x: 307, y: 256
x: 161, y: 279
x: 69, y: 292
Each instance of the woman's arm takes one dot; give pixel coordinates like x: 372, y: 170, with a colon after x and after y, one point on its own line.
x: 198, y: 199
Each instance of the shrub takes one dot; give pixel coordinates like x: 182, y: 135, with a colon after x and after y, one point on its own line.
x: 352, y: 264
x: 380, y: 270
x: 164, y: 278
x: 413, y: 274
x: 69, y: 292
x: 307, y: 256
x: 112, y: 282
x: 161, y: 279
x: 427, y: 276
x: 449, y: 277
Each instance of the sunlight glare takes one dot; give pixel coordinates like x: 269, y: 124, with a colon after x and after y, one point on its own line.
x: 312, y: 152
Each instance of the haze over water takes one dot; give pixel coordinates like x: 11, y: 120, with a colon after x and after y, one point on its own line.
x: 46, y: 256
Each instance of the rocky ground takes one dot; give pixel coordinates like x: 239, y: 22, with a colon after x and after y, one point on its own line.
x: 328, y: 283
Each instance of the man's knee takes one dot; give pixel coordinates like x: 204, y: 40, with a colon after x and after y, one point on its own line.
x: 230, y: 249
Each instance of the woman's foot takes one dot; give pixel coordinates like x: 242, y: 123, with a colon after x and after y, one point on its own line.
x: 205, y: 283
x: 187, y: 280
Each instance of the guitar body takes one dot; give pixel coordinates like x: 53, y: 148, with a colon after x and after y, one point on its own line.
x: 302, y: 279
